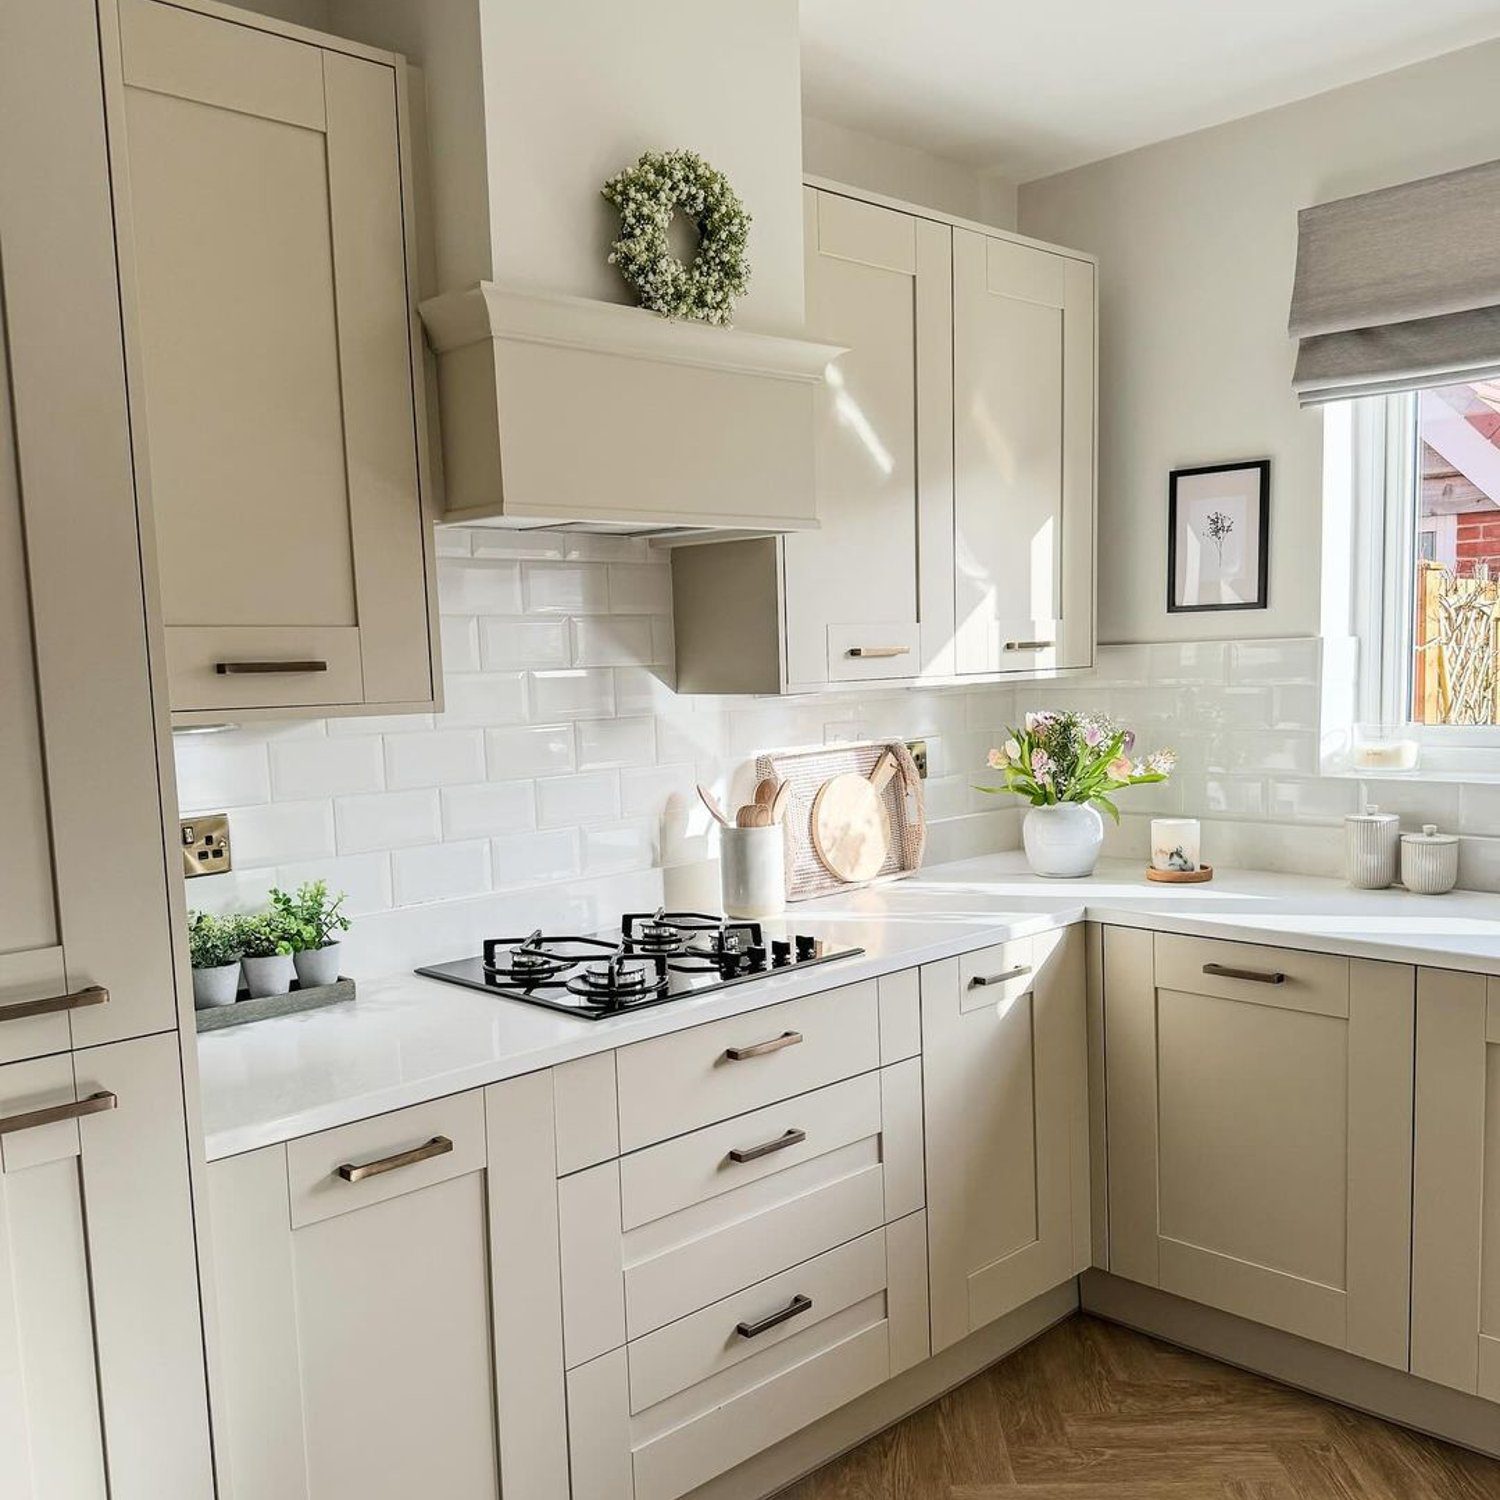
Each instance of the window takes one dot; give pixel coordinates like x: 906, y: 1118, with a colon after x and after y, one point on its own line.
x: 1430, y: 614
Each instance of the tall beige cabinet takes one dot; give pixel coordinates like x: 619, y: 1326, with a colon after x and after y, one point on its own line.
x: 102, y: 1387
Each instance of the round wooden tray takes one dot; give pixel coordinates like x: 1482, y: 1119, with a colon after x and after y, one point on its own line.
x: 1180, y: 877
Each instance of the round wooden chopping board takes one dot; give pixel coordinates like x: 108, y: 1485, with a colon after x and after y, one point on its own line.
x: 851, y: 829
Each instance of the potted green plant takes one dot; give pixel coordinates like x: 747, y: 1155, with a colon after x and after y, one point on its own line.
x: 313, y: 919
x: 213, y: 944
x: 266, y: 953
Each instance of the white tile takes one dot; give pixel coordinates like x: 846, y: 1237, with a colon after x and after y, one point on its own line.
x: 437, y: 759
x: 281, y: 832
x: 611, y: 641
x: 618, y: 846
x: 451, y: 541
x: 1479, y: 808
x: 1321, y: 799
x: 1211, y: 797
x: 239, y: 890
x: 213, y: 774
x: 525, y: 858
x: 441, y: 872
x: 358, y: 724
x: 491, y: 807
x: 648, y: 791
x: 564, y: 588
x: 326, y: 768
x: 514, y: 644
x: 564, y: 800
x: 1263, y: 750
x: 1186, y: 662
x: 478, y: 587
x: 460, y: 638
x: 387, y: 820
x: 364, y: 879
x: 1478, y: 864
x: 1295, y: 706
x: 599, y: 547
x: 636, y: 590
x: 494, y: 698
x: 574, y: 693
x: 1218, y: 708
x: 502, y: 541
x: 615, y: 742
x: 530, y: 750
x: 946, y: 797
x: 1417, y: 802
x: 663, y: 640
x: 1274, y: 661
x: 638, y: 690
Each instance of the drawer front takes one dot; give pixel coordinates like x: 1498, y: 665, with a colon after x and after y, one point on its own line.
x: 750, y: 1322
x: 675, y: 1084
x: 1283, y: 977
x: 24, y: 979
x: 277, y: 667
x: 995, y: 975
x: 874, y: 652
x: 331, y: 1173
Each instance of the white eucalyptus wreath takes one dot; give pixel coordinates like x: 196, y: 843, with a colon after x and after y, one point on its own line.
x: 648, y: 195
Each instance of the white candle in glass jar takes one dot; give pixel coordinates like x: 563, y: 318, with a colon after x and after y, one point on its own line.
x: 1175, y: 844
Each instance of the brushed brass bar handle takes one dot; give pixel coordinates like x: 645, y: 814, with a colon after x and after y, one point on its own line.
x: 794, y: 1309
x: 95, y: 1104
x: 93, y: 994
x: 759, y: 1049
x: 1255, y: 976
x: 439, y: 1145
x: 252, y: 668
x: 872, y: 651
x: 1019, y: 972
x: 793, y: 1137
x: 1029, y: 645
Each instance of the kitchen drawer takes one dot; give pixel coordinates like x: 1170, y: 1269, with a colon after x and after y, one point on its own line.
x: 990, y: 976
x: 865, y: 653
x: 445, y: 1138
x: 1283, y: 977
x: 676, y: 1083
x: 196, y: 652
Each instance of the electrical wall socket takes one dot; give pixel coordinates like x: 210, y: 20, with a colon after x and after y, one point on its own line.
x: 918, y: 750
x: 205, y: 845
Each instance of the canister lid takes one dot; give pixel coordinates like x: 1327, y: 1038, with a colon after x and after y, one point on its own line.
x: 1429, y: 835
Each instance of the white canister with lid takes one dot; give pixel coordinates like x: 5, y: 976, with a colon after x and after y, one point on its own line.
x: 1429, y: 861
x: 1371, y: 848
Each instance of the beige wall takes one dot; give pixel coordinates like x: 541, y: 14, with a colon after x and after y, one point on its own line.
x: 1197, y: 239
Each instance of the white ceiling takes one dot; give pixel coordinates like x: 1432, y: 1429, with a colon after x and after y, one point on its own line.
x: 1030, y: 89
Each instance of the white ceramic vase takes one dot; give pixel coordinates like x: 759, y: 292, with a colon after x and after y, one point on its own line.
x: 1063, y: 842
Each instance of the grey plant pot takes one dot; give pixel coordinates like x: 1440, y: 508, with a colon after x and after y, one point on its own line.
x: 317, y: 966
x: 268, y: 976
x: 216, y: 986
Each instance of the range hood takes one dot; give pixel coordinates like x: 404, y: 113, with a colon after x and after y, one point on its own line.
x: 566, y: 410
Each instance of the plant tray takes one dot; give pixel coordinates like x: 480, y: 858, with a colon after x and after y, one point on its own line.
x: 242, y: 1012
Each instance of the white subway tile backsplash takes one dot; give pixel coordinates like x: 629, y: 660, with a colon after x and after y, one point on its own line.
x: 573, y: 694
x: 564, y: 588
x: 364, y: 880
x: 280, y: 832
x: 460, y: 639
x: 569, y: 801
x: 1479, y: 808
x: 613, y: 847
x: 611, y: 640
x: 438, y: 759
x: 525, y: 858
x: 516, y: 644
x: 649, y: 790
x: 365, y: 724
x: 478, y: 587
x: 1417, y: 802
x: 441, y: 872
x: 387, y: 820
x: 499, y: 541
x: 495, y: 698
x: 533, y: 750
x: 1273, y: 661
x: 636, y: 590
x: 1315, y: 799
x: 489, y: 808
x: 213, y: 773
x: 615, y: 742
x: 326, y: 767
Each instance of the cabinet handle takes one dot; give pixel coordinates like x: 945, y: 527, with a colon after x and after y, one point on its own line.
x: 248, y: 668
x: 1255, y: 976
x: 95, y: 1104
x: 759, y: 1049
x: 93, y: 994
x: 439, y: 1145
x: 795, y: 1308
x: 1029, y: 645
x: 1018, y: 972
x: 793, y: 1137
x: 871, y: 651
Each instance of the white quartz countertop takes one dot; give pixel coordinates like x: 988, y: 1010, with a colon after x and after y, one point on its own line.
x: 407, y: 1039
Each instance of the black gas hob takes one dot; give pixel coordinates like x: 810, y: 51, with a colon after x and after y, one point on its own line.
x: 653, y: 958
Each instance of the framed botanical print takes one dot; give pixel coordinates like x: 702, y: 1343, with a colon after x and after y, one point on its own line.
x: 1218, y: 524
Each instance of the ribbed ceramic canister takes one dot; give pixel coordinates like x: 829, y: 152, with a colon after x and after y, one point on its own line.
x: 1429, y: 861
x: 1371, y: 848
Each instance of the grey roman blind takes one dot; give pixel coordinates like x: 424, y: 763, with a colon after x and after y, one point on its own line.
x: 1400, y: 288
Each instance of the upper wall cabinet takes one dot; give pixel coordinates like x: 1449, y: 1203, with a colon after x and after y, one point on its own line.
x: 262, y: 196
x: 955, y: 472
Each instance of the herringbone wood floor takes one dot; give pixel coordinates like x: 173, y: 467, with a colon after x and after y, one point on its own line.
x: 1093, y: 1410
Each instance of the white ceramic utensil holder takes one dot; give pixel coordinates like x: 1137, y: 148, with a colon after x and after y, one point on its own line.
x: 1429, y: 861
x: 1372, y: 846
x: 752, y: 871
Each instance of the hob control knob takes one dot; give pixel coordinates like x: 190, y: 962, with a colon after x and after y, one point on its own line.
x: 807, y: 947
x: 781, y: 951
x: 756, y: 955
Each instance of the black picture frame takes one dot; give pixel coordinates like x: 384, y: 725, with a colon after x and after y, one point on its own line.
x: 1262, y: 468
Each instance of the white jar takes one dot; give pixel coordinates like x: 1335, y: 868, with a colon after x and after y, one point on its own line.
x: 1429, y: 861
x: 752, y: 878
x: 1371, y: 848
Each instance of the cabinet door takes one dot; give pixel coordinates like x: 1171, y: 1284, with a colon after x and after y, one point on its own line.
x: 869, y: 596
x: 263, y: 215
x: 1004, y: 1073
x: 1455, y: 1313
x: 83, y: 880
x: 1259, y: 1105
x: 100, y: 1343
x: 1023, y: 447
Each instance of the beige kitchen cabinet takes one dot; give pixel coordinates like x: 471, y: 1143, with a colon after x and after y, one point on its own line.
x: 100, y: 1342
x: 1455, y: 1308
x: 1259, y: 1105
x: 1023, y: 456
x: 263, y: 195
x: 389, y: 1305
x: 1004, y: 1088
